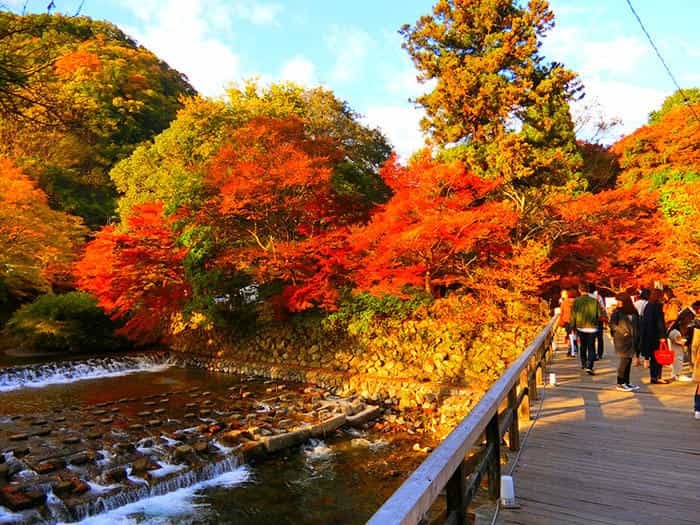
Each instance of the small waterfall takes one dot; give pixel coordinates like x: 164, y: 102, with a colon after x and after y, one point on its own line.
x: 132, y: 494
x: 37, y: 376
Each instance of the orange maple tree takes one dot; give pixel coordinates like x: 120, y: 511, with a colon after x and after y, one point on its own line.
x: 438, y: 225
x: 274, y: 212
x: 37, y: 244
x: 671, y: 143
x: 137, y: 274
x: 616, y: 237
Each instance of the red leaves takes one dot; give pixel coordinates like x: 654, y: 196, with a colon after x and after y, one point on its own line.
x: 137, y: 275
x: 437, y: 224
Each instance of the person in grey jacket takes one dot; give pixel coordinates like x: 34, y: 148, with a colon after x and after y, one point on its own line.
x: 625, y: 331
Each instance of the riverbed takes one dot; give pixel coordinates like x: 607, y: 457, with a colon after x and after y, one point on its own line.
x: 338, y: 478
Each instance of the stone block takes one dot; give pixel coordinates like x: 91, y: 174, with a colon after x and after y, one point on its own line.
x: 283, y: 441
x: 369, y: 413
x: 327, y: 426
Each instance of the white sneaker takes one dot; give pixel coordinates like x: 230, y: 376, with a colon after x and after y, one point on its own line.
x: 685, y: 379
x: 632, y: 387
x: 697, y: 414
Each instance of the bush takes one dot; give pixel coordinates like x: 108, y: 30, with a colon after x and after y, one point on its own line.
x: 70, y: 322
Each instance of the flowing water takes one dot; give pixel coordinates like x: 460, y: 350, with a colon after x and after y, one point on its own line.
x: 341, y: 479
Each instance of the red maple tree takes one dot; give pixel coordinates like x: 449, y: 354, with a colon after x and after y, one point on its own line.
x: 137, y: 273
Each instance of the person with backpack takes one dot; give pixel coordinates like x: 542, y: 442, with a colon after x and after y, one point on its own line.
x: 586, y: 313
x: 625, y: 332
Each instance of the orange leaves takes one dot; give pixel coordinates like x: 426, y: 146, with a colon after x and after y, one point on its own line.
x: 71, y: 62
x: 268, y: 173
x: 137, y: 275
x: 671, y: 143
x: 437, y: 224
x: 36, y: 242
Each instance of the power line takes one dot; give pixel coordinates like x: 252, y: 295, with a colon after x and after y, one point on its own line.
x: 661, y: 58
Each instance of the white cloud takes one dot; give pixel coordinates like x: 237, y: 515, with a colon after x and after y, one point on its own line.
x: 622, y: 55
x: 299, y: 70
x: 180, y: 33
x: 400, y: 124
x: 259, y: 13
x: 350, y: 46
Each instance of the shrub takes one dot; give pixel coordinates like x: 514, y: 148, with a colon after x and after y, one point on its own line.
x: 70, y: 322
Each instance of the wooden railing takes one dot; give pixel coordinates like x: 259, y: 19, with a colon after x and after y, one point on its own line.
x: 472, y: 449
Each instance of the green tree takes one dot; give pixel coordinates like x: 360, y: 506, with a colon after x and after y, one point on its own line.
x: 497, y: 105
x: 679, y: 98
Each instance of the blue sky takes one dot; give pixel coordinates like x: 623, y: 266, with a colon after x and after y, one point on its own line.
x: 353, y: 48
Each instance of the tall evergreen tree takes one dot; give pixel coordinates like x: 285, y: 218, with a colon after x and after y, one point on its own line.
x: 496, y: 103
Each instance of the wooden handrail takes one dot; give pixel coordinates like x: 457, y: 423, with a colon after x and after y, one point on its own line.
x: 446, y: 468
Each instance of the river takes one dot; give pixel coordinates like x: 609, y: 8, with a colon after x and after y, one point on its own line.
x: 341, y: 478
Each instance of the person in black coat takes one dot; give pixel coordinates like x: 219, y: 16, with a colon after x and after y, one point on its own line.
x: 653, y: 331
x: 625, y: 330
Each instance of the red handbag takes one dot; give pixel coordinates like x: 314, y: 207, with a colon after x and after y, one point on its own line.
x: 664, y: 356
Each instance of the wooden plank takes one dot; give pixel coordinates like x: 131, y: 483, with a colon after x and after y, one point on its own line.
x: 597, y: 456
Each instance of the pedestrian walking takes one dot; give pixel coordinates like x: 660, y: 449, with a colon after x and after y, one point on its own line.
x: 586, y: 313
x: 625, y: 332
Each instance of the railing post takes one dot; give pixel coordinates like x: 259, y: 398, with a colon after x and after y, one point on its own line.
x: 493, y: 439
x: 532, y: 383
x: 524, y: 407
x: 456, y: 490
x: 514, y: 430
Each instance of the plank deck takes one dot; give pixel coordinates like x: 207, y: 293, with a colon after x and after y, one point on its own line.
x: 596, y: 456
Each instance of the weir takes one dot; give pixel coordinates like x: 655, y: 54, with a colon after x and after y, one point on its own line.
x: 104, y: 434
x: 37, y: 376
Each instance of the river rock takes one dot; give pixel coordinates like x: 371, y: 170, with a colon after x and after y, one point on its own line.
x: 154, y: 423
x: 80, y: 487
x: 20, y: 452
x: 63, y: 488
x: 81, y: 458
x: 95, y: 434
x: 4, y: 473
x: 16, y: 499
x: 144, y: 413
x: 70, y: 440
x: 125, y: 447
x: 19, y: 437
x: 115, y: 475
x: 106, y: 420
x: 181, y: 452
x: 44, y: 468
x: 143, y: 464
x: 136, y: 426
x: 251, y: 450
x: 201, y: 447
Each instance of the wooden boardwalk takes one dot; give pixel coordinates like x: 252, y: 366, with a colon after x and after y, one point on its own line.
x: 598, y: 456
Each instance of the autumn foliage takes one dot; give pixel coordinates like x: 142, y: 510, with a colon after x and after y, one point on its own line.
x: 137, y: 274
x: 439, y: 223
x: 37, y: 244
